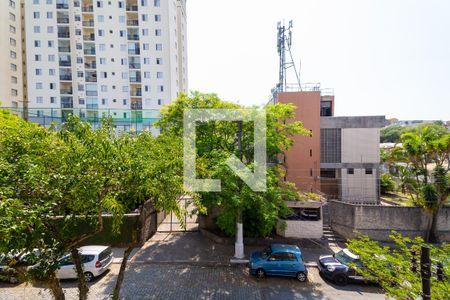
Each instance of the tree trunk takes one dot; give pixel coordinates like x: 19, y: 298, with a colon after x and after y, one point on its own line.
x: 83, y: 288
x: 55, y: 287
x: 433, y: 236
x: 120, y: 277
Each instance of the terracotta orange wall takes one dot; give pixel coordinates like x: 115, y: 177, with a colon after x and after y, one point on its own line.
x: 298, y: 160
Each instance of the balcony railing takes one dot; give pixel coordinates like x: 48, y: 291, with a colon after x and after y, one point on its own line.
x: 134, y: 65
x: 89, y: 37
x: 62, y: 20
x: 132, y: 8
x: 134, y: 51
x: 136, y: 105
x: 133, y: 22
x: 66, y: 91
x: 65, y: 63
x: 65, y: 77
x: 62, y: 5
x: 133, y: 37
x: 88, y: 51
x: 91, y: 93
x: 88, y: 23
x: 92, y: 65
x: 91, y: 79
x: 137, y: 93
x: 64, y: 49
x: 64, y: 35
x: 135, y: 79
x: 87, y: 9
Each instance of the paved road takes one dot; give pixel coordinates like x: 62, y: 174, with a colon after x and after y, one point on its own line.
x: 166, y: 281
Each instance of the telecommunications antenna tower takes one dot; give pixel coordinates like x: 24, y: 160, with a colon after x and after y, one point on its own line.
x: 284, y: 44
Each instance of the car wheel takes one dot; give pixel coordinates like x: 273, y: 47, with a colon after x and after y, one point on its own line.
x: 88, y: 276
x: 340, y: 279
x: 260, y: 273
x: 301, y: 276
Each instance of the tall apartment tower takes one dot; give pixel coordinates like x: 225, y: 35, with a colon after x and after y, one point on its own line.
x: 124, y: 58
x: 11, y: 82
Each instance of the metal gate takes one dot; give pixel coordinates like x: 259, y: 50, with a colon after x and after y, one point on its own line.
x: 171, y: 222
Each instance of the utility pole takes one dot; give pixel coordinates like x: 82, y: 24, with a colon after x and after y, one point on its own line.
x: 239, y: 245
x: 425, y: 272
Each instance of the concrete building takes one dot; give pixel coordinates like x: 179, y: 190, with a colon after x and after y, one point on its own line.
x: 341, y: 157
x: 11, y: 75
x: 92, y: 58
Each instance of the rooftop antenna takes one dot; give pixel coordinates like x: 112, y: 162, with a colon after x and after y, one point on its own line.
x: 284, y: 44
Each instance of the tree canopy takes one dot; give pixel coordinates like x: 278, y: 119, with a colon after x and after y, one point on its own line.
x: 215, y: 141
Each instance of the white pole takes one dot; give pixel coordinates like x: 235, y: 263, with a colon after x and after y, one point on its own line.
x: 239, y: 245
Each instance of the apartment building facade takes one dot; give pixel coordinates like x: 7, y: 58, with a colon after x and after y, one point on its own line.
x: 340, y: 158
x: 11, y: 60
x: 122, y: 58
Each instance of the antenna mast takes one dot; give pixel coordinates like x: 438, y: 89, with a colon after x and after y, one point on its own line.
x: 284, y: 44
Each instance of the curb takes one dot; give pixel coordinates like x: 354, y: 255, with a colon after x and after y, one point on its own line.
x: 200, y: 263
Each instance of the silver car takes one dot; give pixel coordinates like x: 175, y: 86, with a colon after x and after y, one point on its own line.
x: 96, y: 260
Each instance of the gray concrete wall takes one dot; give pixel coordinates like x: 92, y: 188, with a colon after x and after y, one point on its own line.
x: 377, y: 221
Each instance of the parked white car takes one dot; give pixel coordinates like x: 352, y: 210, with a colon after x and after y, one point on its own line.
x: 95, y: 259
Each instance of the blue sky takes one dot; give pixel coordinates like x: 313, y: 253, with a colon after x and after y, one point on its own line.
x: 388, y: 57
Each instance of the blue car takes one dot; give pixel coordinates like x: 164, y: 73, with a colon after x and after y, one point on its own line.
x: 279, y: 260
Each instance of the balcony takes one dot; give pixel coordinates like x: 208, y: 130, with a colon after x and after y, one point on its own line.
x: 87, y: 9
x: 134, y: 51
x: 136, y: 104
x: 89, y: 51
x: 62, y: 5
x: 64, y: 49
x: 90, y: 37
x: 91, y: 77
x: 66, y: 91
x: 92, y: 65
x: 136, y: 93
x: 133, y: 37
x: 91, y: 93
x: 133, y: 22
x: 88, y: 23
x: 66, y: 102
x: 65, y: 77
x: 63, y: 35
x: 135, y: 79
x: 132, y: 8
x: 134, y: 65
x: 65, y: 63
x: 62, y: 20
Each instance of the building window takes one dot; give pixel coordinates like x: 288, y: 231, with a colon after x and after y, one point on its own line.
x: 12, y: 17
x: 350, y: 171
x: 52, y: 99
x: 124, y: 101
x: 158, y: 32
x: 157, y: 18
x: 325, y: 109
x: 52, y: 86
x: 159, y: 101
x: 12, y: 42
x: 146, y: 61
x: 51, y: 72
x: 101, y: 19
x: 51, y: 44
x: 37, y: 29
x: 159, y: 75
x: 160, y: 88
x: 51, y: 57
x: 104, y: 88
x: 37, y: 57
x: 144, y: 17
x: 369, y: 171
x: 12, y: 29
x: 37, y: 44
x: 157, y: 3
x: 146, y: 74
x: 328, y: 173
x: 310, y: 172
x: 39, y: 99
x: 158, y: 47
x: 36, y: 15
x: 49, y: 15
x: 310, y: 152
x: 13, y: 67
x: 13, y: 92
x: 159, y: 61
x: 39, y: 85
x: 38, y: 72
x: 12, y: 54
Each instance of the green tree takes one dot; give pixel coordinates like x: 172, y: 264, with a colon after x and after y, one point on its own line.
x: 215, y: 141
x: 391, y: 134
x: 387, y: 184
x: 67, y: 179
x: 391, y: 266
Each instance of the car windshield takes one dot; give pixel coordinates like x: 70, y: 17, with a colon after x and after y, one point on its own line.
x: 266, y: 253
x: 343, y: 258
